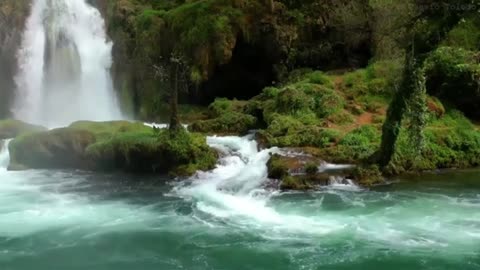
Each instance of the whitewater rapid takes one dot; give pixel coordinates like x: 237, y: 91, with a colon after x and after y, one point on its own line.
x: 234, y: 204
x: 238, y: 193
x: 64, y: 66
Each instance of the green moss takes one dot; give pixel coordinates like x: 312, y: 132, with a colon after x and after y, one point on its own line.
x: 222, y: 106
x: 452, y: 141
x: 228, y: 123
x: 355, y: 147
x: 294, y: 183
x: 465, y: 35
x: 307, y: 136
x: 453, y: 62
x: 435, y: 107
x: 277, y: 167
x: 58, y: 149
x: 311, y: 168
x: 117, y: 145
x: 341, y: 118
x: 293, y: 100
x: 379, y: 79
x: 327, y: 102
x: 368, y: 175
x: 12, y: 128
x: 179, y: 153
x: 318, y: 77
x: 107, y: 129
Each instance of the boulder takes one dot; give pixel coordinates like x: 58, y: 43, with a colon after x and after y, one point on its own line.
x: 56, y: 149
x: 113, y: 146
x: 299, y: 171
x: 12, y: 128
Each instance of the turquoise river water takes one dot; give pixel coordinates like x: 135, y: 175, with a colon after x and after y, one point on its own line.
x: 229, y: 219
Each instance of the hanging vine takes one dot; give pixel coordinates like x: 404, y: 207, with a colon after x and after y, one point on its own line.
x: 417, y: 113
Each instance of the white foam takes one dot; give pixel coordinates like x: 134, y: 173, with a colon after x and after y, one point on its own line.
x: 160, y: 125
x: 334, y: 167
x: 236, y: 193
x: 4, y: 154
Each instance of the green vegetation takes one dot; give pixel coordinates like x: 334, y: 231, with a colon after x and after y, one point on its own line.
x: 229, y: 123
x: 12, y: 128
x: 452, y: 141
x: 209, y: 33
x: 126, y: 146
x: 391, y: 86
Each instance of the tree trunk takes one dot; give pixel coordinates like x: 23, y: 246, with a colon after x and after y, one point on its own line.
x: 271, y: 5
x: 396, y: 111
x: 174, y: 121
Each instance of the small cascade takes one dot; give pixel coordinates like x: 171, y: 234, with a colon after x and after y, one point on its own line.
x: 4, y: 154
x: 64, y: 66
x: 342, y: 183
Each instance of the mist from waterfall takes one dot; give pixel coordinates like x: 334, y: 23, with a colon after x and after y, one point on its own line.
x: 64, y: 66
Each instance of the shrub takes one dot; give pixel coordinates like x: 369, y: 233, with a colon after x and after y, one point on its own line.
x: 227, y: 123
x: 318, y: 77
x: 311, y: 168
x: 292, y: 100
x: 327, y: 102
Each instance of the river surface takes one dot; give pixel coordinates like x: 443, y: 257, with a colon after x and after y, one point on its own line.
x: 229, y: 219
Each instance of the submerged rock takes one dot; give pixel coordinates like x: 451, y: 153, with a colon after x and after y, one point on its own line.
x: 12, y: 128
x: 109, y: 146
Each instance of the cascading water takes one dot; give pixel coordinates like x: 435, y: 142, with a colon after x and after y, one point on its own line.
x: 4, y: 154
x: 230, y: 218
x: 64, y: 66
x: 237, y: 191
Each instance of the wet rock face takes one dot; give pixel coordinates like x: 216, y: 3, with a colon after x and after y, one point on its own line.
x: 13, y: 14
x: 298, y: 170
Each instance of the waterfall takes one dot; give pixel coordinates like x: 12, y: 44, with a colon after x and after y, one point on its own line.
x: 4, y: 154
x: 64, y: 66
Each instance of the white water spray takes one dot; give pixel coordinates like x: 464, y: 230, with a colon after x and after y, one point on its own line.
x: 4, y: 154
x: 237, y: 191
x: 64, y: 66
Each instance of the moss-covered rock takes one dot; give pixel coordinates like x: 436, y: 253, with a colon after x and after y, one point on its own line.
x: 297, y: 172
x: 294, y: 183
x: 55, y: 149
x: 12, y: 128
x: 278, y: 167
x: 368, y: 175
x: 179, y: 153
x: 121, y: 145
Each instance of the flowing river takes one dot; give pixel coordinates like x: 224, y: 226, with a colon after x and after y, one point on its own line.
x: 229, y: 218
